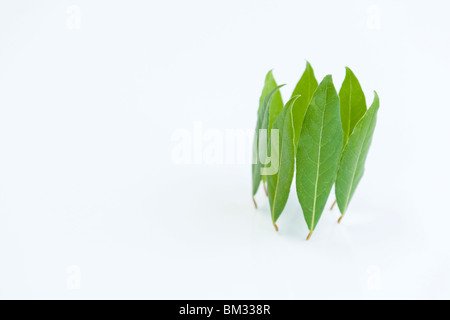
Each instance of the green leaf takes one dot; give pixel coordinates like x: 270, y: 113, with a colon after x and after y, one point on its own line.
x: 305, y: 88
x: 279, y: 184
x: 354, y: 156
x: 262, y: 123
x: 276, y: 105
x: 353, y: 103
x: 319, y: 150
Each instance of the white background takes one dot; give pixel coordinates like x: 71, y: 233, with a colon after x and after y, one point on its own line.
x: 93, y: 206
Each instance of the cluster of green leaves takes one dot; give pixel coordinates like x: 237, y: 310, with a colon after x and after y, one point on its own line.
x: 323, y: 139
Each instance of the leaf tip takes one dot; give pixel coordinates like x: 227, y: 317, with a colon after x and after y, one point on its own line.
x: 349, y: 72
x: 269, y: 75
x: 276, y: 227
x: 376, y: 101
x: 310, y: 235
x: 328, y: 78
x: 376, y: 95
x: 340, y: 219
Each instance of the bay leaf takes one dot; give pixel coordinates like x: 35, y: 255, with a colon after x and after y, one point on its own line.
x: 276, y: 103
x: 319, y: 150
x: 263, y: 123
x: 279, y: 184
x: 351, y: 168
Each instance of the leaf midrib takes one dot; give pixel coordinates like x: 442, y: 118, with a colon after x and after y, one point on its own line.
x: 349, y: 108
x: 318, y: 161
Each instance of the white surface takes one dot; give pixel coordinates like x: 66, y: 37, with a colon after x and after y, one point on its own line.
x: 92, y: 205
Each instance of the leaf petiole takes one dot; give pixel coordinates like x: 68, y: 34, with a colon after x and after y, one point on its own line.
x: 334, y: 204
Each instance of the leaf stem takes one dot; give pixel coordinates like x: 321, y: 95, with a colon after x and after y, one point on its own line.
x: 334, y: 203
x: 254, y: 202
x: 265, y: 189
x: 340, y: 219
x: 276, y: 227
x: 310, y: 234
